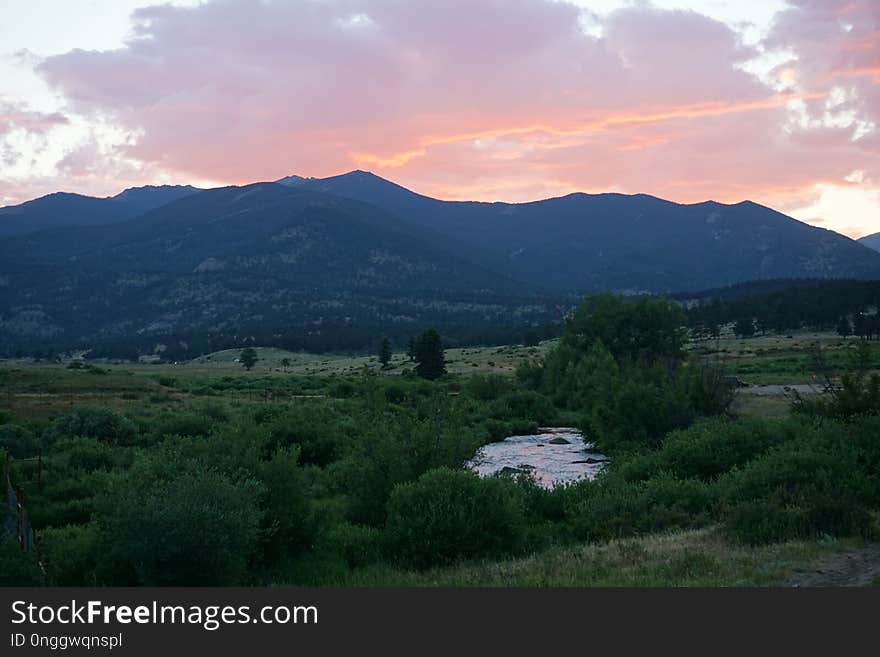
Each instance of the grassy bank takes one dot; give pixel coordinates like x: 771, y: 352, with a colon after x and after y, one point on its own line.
x: 690, y: 558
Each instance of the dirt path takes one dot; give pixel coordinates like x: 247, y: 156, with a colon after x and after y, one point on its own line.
x: 778, y: 389
x: 858, y: 567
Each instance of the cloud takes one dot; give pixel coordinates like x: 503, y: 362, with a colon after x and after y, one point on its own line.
x: 490, y: 98
x: 16, y: 116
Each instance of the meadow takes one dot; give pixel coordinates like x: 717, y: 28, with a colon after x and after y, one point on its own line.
x: 334, y: 470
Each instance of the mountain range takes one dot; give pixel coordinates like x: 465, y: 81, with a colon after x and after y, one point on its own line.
x: 583, y: 242
x: 871, y: 241
x: 357, y: 249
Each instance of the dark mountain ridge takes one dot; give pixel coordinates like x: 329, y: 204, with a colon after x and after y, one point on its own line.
x: 357, y: 250
x: 637, y: 242
x: 261, y: 255
x: 65, y: 209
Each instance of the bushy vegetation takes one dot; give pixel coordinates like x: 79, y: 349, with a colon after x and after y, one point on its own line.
x: 371, y: 473
x: 621, y: 365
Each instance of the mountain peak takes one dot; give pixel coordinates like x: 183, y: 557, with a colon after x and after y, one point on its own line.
x: 360, y: 175
x: 292, y: 180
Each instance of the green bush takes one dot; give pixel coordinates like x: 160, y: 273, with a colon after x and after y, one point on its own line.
x: 287, y: 526
x: 358, y: 545
x: 395, y: 393
x: 447, y: 515
x: 529, y: 374
x: 182, y: 423
x: 18, y: 568
x: 343, y: 390
x: 713, y: 446
x: 70, y: 554
x: 795, y: 492
x: 612, y: 508
x: 198, y: 529
x: 99, y: 423
x: 18, y: 441
x: 524, y: 405
x: 79, y: 454
x: 488, y: 387
x: 391, y: 449
x: 319, y: 431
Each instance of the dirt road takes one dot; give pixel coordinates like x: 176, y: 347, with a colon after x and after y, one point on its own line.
x: 857, y: 567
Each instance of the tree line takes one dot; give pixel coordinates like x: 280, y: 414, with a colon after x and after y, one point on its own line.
x: 848, y: 307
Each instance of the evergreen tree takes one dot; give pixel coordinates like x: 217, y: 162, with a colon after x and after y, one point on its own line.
x: 385, y: 352
x: 429, y: 356
x: 844, y: 328
x: 860, y: 326
x: 248, y: 358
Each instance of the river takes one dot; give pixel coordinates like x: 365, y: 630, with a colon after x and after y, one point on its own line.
x: 554, y: 455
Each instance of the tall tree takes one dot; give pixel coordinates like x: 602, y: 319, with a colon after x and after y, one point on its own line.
x: 631, y: 329
x: 248, y: 358
x: 429, y: 356
x: 385, y: 352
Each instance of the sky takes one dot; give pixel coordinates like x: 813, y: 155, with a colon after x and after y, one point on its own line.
x: 775, y: 101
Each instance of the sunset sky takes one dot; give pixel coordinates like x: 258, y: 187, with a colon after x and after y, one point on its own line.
x: 770, y: 100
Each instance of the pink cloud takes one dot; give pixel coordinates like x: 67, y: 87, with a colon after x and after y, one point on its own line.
x: 16, y: 116
x: 485, y: 98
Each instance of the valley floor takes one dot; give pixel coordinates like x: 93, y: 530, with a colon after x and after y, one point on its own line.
x: 215, y: 396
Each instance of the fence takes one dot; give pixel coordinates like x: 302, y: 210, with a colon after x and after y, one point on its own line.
x: 17, y: 521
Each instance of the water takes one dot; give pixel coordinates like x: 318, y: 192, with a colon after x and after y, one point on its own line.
x: 549, y: 463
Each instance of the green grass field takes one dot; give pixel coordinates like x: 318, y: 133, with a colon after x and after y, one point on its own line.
x: 775, y: 359
x: 42, y: 389
x: 216, y: 391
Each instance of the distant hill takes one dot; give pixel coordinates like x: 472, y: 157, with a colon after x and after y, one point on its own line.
x: 585, y: 242
x: 338, y: 260
x: 871, y: 241
x: 260, y: 255
x: 63, y: 209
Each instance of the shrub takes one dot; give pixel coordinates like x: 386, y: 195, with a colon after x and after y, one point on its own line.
x: 65, y: 500
x: 199, y: 529
x: 287, y: 529
x: 18, y: 441
x: 99, y: 423
x: 343, y: 390
x: 447, y: 515
x: 18, y: 568
x: 488, y: 387
x: 713, y: 446
x: 70, y: 554
x: 395, y: 393
x: 525, y: 405
x: 612, y: 508
x: 795, y: 492
x: 358, y: 545
x: 182, y: 424
x: 529, y: 373
x: 318, y: 430
x: 80, y: 454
